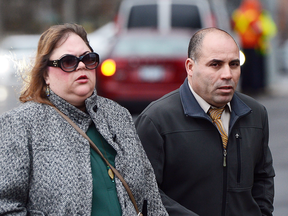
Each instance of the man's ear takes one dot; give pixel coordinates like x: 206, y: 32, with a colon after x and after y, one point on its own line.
x: 189, y: 65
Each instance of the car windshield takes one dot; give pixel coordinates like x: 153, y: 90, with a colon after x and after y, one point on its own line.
x: 16, y: 43
x: 182, y: 16
x: 185, y: 16
x: 152, y: 46
x: 138, y: 16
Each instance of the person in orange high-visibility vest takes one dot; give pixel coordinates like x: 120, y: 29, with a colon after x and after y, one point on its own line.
x: 255, y: 28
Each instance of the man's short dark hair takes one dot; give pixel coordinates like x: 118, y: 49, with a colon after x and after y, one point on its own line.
x: 195, y: 44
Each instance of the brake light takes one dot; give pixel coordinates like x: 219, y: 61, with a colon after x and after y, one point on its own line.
x: 242, y: 58
x: 108, y: 67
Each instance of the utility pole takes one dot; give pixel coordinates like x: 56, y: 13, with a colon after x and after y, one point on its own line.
x: 1, y: 18
x: 69, y: 11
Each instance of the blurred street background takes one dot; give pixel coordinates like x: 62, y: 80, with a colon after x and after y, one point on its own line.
x: 23, y: 21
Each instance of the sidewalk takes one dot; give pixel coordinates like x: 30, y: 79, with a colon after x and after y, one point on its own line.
x: 276, y: 102
x: 280, y: 86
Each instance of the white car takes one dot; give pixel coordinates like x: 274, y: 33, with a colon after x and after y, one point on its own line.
x: 16, y: 54
x: 101, y: 39
x: 167, y: 14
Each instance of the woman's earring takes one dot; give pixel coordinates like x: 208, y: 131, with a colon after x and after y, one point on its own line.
x: 47, y: 91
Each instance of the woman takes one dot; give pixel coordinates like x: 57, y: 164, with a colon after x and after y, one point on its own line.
x: 47, y: 167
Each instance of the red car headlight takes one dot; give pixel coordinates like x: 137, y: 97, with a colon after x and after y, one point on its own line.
x: 108, y: 67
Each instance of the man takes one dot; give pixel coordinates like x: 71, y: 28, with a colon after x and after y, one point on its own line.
x: 199, y: 169
x: 255, y: 27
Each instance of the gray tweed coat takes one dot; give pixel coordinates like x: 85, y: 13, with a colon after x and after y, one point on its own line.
x: 45, y: 163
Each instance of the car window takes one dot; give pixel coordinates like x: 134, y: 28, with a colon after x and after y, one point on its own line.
x: 20, y: 43
x: 182, y: 16
x: 165, y: 47
x: 143, y: 16
x: 185, y: 16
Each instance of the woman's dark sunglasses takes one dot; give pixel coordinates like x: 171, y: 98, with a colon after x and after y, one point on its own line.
x: 69, y: 63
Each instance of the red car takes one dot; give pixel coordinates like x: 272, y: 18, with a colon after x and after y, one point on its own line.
x: 142, y: 66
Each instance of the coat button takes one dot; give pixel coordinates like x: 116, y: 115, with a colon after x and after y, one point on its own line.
x: 114, y: 137
x: 95, y: 108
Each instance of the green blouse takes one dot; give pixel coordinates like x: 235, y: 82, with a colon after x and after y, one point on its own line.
x: 104, y: 201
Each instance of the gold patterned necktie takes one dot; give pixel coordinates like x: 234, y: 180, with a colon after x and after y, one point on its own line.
x: 215, y: 114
